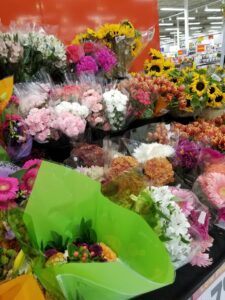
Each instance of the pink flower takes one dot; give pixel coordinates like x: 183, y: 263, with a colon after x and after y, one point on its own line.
x: 28, y: 180
x: 93, y: 100
x: 8, y: 189
x: 74, y: 53
x: 201, y: 260
x: 213, y: 185
x: 143, y: 97
x: 69, y: 124
x: 32, y: 163
x: 188, y: 199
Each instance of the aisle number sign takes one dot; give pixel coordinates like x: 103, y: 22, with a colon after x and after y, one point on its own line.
x: 213, y: 288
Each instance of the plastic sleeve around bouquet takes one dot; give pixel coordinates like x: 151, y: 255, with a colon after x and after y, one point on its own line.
x: 210, y: 186
x: 71, y: 197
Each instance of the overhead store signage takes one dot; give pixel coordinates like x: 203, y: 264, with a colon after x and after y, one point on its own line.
x: 201, y: 48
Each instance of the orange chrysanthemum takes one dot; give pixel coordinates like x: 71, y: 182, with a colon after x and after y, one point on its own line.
x: 122, y: 164
x: 159, y: 171
x: 107, y: 253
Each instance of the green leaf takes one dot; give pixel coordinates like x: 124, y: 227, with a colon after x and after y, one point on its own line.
x: 19, y: 174
x: 3, y: 155
x: 86, y: 233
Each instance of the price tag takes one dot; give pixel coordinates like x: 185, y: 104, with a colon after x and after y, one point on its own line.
x: 213, y: 288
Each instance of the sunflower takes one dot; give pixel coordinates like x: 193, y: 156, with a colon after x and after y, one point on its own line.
x: 219, y: 100
x: 168, y: 65
x: 188, y: 107
x: 153, y: 68
x: 155, y: 54
x: 213, y: 92
x: 136, y: 47
x: 199, y: 85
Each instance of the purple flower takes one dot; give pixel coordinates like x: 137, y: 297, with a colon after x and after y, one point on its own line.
x: 50, y: 252
x: 106, y: 59
x: 221, y: 214
x: 209, y: 154
x: 7, y: 169
x: 199, y: 227
x: 96, y: 249
x: 187, y: 154
x: 19, y: 151
x: 87, y: 64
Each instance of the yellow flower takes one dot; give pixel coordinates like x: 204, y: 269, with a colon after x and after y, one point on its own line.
x: 219, y: 100
x: 91, y: 32
x: 78, y: 38
x: 153, y: 68
x: 168, y: 65
x: 126, y: 30
x: 213, y: 91
x: 199, y: 85
x: 188, y: 107
x: 108, y: 253
x: 136, y: 47
x: 155, y: 54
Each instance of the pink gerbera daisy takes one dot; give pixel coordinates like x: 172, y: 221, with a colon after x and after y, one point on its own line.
x: 213, y: 185
x: 28, y: 180
x: 201, y: 260
x: 32, y: 163
x: 8, y: 189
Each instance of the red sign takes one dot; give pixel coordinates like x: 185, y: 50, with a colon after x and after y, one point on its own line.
x: 201, y: 48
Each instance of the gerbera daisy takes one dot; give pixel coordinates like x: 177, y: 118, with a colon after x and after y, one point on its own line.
x: 32, y: 163
x: 153, y: 68
x: 28, y: 180
x: 8, y: 189
x: 213, y: 185
x: 199, y: 85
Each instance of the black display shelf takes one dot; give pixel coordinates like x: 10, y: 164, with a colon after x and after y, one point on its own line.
x: 189, y: 279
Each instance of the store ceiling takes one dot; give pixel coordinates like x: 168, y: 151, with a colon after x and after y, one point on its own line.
x: 196, y: 10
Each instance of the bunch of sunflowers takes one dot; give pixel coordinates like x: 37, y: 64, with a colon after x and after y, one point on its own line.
x: 157, y: 65
x: 202, y: 89
x: 122, y: 38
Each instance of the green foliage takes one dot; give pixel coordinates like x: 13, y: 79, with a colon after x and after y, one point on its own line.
x: 86, y: 233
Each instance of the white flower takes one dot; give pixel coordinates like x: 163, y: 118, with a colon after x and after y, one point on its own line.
x: 175, y: 225
x: 149, y: 151
x: 79, y: 110
x: 63, y: 107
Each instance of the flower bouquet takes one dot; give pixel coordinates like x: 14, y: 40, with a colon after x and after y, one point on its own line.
x: 210, y: 186
x: 128, y: 274
x: 90, y: 58
x: 24, y: 54
x: 122, y: 38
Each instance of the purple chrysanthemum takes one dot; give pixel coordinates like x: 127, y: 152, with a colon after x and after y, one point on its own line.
x: 106, y: 59
x: 87, y: 64
x: 187, y: 154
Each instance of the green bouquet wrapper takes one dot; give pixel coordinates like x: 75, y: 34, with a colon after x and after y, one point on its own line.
x: 60, y: 199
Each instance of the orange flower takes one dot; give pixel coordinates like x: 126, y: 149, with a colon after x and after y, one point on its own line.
x: 107, y: 253
x: 216, y: 168
x: 121, y: 164
x: 159, y: 171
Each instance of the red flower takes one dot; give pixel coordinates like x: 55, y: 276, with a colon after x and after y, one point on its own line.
x: 89, y: 47
x: 74, y: 53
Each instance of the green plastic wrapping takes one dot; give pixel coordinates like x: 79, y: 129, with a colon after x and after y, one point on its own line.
x: 61, y: 197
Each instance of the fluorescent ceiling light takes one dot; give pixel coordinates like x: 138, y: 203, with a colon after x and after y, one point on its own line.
x: 212, y: 9
x: 216, y: 23
x: 214, y: 18
x: 182, y: 18
x: 165, y: 24
x: 172, y: 9
x: 194, y: 23
x: 170, y: 29
x: 193, y: 28
x: 162, y: 36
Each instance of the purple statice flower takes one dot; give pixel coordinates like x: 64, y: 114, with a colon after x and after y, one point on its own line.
x: 199, y: 228
x: 187, y: 154
x: 106, y: 59
x: 87, y: 64
x: 7, y: 169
